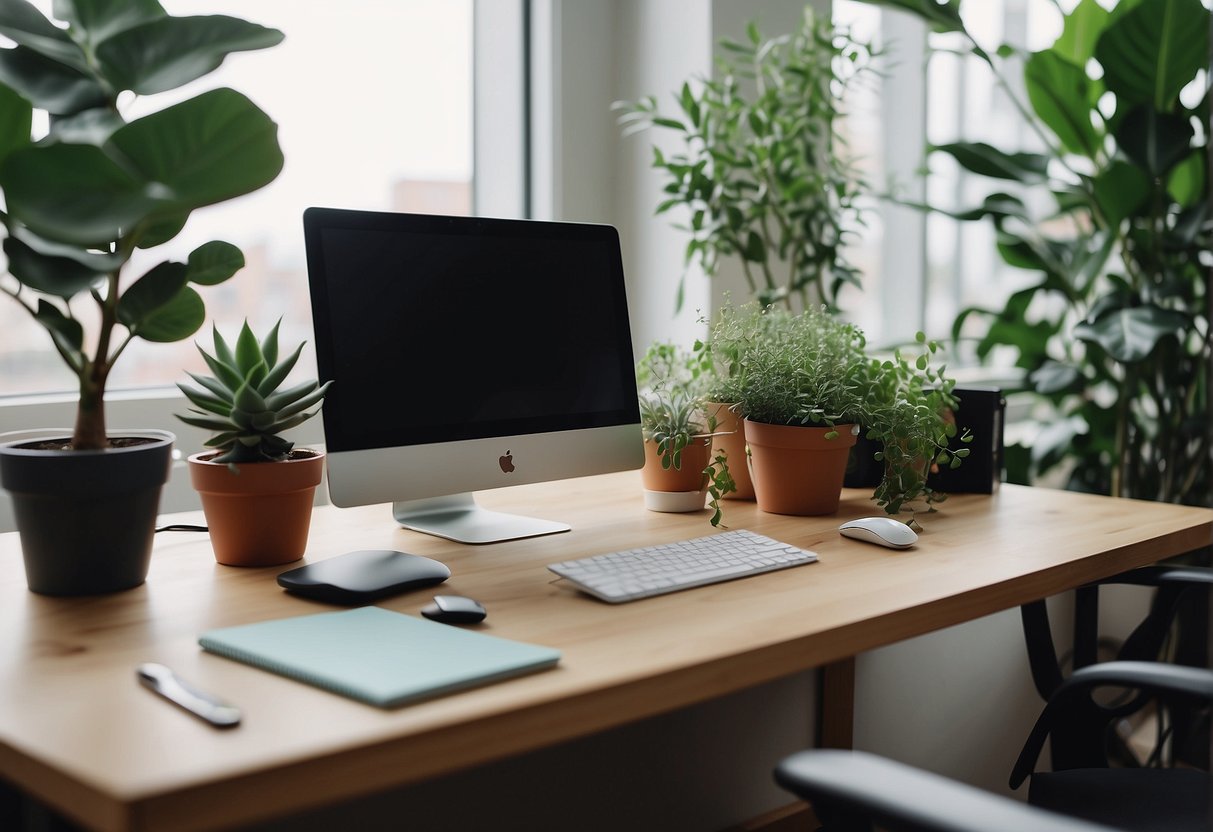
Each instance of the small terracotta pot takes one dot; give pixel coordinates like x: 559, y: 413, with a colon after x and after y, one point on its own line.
x: 730, y: 436
x: 676, y: 489
x: 796, y: 470
x: 689, y: 477
x: 259, y: 514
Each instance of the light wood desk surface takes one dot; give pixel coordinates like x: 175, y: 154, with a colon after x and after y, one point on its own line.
x: 78, y: 731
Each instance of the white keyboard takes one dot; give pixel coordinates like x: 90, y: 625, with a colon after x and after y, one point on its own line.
x: 668, y: 567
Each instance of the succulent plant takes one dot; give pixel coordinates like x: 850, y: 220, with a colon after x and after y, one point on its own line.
x: 241, y: 402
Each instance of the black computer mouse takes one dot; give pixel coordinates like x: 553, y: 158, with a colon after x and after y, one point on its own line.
x: 454, y: 609
x: 359, y: 577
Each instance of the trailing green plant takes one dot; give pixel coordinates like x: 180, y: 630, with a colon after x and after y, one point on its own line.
x: 242, y: 402
x: 672, y: 415
x: 761, y: 171
x: 909, y: 412
x: 81, y: 199
x: 1114, y: 332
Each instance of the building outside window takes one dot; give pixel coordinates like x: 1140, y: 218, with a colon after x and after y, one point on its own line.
x: 373, y: 99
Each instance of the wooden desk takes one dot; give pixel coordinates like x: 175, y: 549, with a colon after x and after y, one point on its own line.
x: 79, y: 733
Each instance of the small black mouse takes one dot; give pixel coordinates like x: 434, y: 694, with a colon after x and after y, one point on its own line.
x: 454, y: 609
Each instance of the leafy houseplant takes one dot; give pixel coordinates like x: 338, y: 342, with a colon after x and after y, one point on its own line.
x: 79, y: 201
x: 256, y: 489
x: 678, y: 434
x: 1114, y: 331
x: 812, y: 369
x: 762, y: 172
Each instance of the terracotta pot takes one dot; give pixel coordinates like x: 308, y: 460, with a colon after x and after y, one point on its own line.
x: 259, y: 514
x: 730, y: 436
x: 676, y: 489
x: 86, y: 518
x: 796, y: 470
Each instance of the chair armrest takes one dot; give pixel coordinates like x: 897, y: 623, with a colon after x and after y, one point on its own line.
x: 1072, y: 702
x: 899, y: 797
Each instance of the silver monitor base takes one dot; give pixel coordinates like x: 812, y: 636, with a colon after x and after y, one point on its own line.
x: 457, y: 517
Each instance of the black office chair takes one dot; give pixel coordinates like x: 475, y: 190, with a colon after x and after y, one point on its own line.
x: 1178, y: 596
x: 1079, y: 725
x: 849, y: 793
x: 852, y: 791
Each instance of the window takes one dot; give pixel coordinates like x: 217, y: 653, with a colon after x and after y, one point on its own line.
x: 374, y: 104
x: 925, y: 269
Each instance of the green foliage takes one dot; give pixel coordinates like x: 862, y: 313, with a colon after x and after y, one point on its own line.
x: 672, y: 414
x: 761, y: 172
x: 81, y: 199
x: 812, y: 368
x: 242, y: 402
x: 795, y: 368
x: 909, y: 407
x: 1114, y: 332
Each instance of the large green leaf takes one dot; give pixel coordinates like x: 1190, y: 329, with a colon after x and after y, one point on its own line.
x: 73, y: 193
x: 1120, y: 190
x: 87, y: 127
x: 1186, y: 184
x: 178, y: 319
x: 16, y: 121
x: 25, y: 25
x: 1055, y: 377
x: 97, y: 20
x: 1154, y: 140
x: 1151, y: 52
x: 149, y: 293
x: 169, y: 52
x: 210, y: 148
x: 940, y: 16
x: 96, y: 261
x: 48, y: 84
x: 214, y: 262
x: 1061, y: 93
x: 1131, y: 334
x: 66, y: 332
x: 163, y: 226
x: 1083, y: 26
x: 57, y: 276
x: 986, y: 160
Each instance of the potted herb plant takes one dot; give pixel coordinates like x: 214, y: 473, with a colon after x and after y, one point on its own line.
x: 761, y: 171
x: 808, y: 387
x: 680, y: 469
x: 256, y: 487
x: 801, y: 379
x: 79, y: 201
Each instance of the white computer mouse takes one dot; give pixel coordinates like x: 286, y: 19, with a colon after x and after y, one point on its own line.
x: 884, y: 531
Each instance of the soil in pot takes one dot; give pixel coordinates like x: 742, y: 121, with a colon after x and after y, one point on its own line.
x: 796, y: 470
x: 260, y: 513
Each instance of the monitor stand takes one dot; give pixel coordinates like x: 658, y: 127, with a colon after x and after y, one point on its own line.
x: 457, y: 517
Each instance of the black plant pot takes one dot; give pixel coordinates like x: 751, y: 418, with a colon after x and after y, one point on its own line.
x: 86, y: 518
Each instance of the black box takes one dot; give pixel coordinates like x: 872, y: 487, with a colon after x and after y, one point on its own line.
x: 981, y: 411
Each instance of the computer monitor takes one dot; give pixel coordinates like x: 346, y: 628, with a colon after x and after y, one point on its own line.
x: 468, y: 354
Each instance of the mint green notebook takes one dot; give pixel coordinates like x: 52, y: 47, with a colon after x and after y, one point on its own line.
x: 377, y: 656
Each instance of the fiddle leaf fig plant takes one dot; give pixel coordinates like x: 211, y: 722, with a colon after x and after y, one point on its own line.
x: 242, y: 402
x: 1109, y: 213
x: 761, y: 170
x: 82, y: 197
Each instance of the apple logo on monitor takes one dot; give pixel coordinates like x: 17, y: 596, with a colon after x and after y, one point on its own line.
x: 506, y: 462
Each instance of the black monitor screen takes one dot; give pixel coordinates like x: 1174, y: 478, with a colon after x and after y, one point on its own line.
x: 441, y: 329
